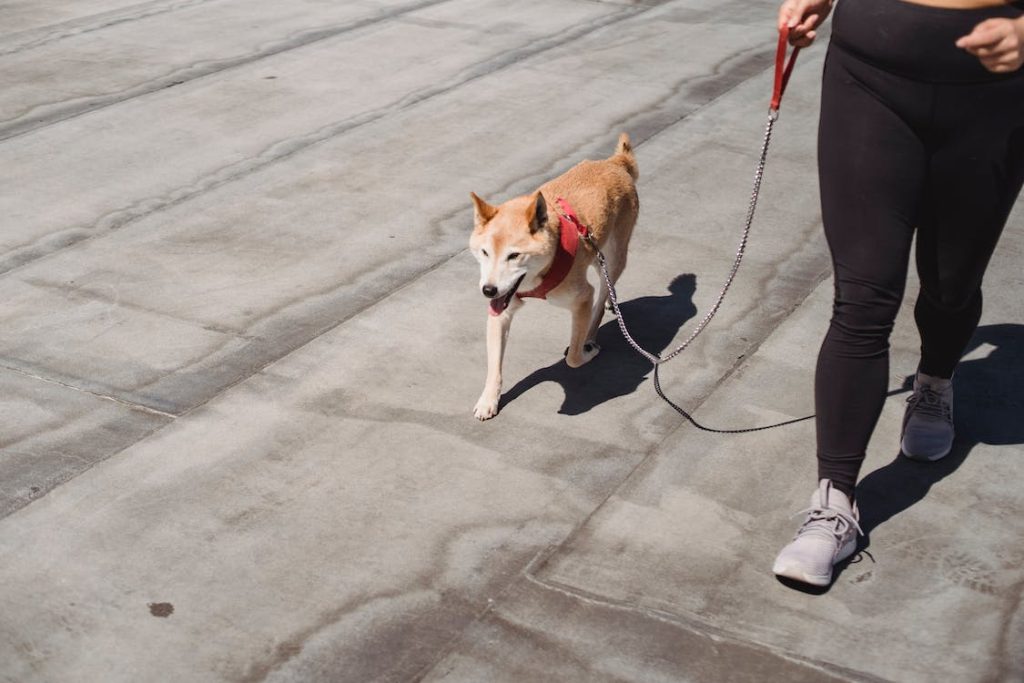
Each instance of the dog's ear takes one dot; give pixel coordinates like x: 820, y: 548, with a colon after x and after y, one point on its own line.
x: 538, y: 212
x: 482, y: 211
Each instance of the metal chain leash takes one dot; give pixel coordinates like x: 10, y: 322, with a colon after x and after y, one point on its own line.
x: 657, y: 360
x: 613, y: 298
x: 698, y: 425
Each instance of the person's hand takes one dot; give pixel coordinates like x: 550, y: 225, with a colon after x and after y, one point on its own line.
x: 803, y: 17
x: 998, y: 43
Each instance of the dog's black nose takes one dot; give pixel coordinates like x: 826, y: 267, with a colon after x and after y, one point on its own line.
x: 490, y: 291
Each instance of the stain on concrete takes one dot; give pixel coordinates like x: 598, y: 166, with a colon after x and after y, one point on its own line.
x: 161, y: 609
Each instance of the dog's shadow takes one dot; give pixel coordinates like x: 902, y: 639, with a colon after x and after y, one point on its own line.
x: 618, y: 370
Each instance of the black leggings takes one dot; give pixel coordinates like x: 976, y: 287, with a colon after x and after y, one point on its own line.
x: 914, y: 133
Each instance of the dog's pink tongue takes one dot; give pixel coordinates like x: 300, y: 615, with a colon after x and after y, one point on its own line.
x: 497, y: 306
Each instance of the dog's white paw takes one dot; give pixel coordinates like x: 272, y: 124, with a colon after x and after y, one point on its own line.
x: 486, y: 408
x: 589, y: 353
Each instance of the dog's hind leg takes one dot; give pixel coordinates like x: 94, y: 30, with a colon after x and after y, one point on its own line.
x: 582, y: 348
x: 615, y: 261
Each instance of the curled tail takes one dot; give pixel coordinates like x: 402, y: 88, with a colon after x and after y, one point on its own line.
x: 624, y: 155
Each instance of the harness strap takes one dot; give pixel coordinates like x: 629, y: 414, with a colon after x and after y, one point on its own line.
x: 571, y: 229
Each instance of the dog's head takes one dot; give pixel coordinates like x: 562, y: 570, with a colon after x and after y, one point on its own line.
x: 512, y: 245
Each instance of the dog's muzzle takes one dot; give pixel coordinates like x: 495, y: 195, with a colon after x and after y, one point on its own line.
x: 499, y: 304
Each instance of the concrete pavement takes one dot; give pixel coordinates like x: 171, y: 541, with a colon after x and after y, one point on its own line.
x: 242, y: 342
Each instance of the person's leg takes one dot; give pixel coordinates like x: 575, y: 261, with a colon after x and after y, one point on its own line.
x: 871, y: 172
x: 877, y: 144
x: 872, y: 166
x: 974, y: 176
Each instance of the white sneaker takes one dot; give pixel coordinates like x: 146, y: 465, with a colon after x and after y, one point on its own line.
x: 928, y: 421
x: 828, y: 536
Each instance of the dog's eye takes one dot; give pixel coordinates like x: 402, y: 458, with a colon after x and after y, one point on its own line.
x: 513, y: 256
x: 484, y: 252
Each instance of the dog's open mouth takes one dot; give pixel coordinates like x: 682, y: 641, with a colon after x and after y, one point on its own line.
x: 499, y: 303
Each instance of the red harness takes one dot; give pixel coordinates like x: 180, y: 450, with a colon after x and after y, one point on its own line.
x: 570, y: 229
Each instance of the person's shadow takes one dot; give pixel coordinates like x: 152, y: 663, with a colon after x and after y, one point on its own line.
x: 988, y: 408
x: 618, y: 370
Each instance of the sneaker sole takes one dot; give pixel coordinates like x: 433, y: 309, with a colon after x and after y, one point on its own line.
x: 791, y: 572
x: 923, y: 458
x: 794, y: 572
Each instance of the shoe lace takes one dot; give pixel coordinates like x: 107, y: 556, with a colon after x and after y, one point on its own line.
x: 927, y: 401
x: 827, y: 522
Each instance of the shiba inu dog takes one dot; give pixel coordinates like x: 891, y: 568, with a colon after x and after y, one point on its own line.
x: 540, y: 245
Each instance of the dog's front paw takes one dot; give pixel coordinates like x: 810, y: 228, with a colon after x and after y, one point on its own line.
x: 486, y: 408
x: 589, y: 352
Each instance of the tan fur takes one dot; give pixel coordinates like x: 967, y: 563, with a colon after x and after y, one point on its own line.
x: 603, y: 195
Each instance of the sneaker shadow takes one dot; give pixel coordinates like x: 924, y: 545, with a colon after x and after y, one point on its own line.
x: 988, y: 401
x: 618, y: 370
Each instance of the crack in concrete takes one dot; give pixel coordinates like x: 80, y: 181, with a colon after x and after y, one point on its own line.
x: 680, y: 621
x: 28, y: 40
x: 203, y: 69
x: 650, y: 120
x: 287, y: 148
x: 292, y: 646
x: 120, y: 401
x: 370, y: 304
x: 81, y: 293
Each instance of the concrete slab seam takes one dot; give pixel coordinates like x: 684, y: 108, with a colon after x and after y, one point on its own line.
x: 423, y: 272
x: 114, y: 399
x: 491, y: 603
x: 690, y: 624
x: 714, y: 75
x: 201, y: 70
x: 440, y: 263
x: 285, y: 149
x: 89, y: 24
x: 729, y: 372
x: 825, y: 34
x: 610, y: 133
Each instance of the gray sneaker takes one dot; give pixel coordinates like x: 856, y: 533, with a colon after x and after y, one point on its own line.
x: 928, y: 422
x: 828, y: 536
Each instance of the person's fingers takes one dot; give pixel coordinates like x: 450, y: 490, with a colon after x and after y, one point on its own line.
x: 985, y: 34
x: 802, y: 34
x: 1004, y: 62
x: 1006, y: 57
x: 807, y: 24
x: 980, y: 39
x: 793, y: 15
x: 796, y: 16
x: 997, y: 51
x: 992, y: 65
x: 806, y: 40
x: 790, y: 13
x: 785, y: 10
x: 996, y: 43
x: 1009, y: 42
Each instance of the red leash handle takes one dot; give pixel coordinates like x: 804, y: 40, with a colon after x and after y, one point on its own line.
x: 782, y: 68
